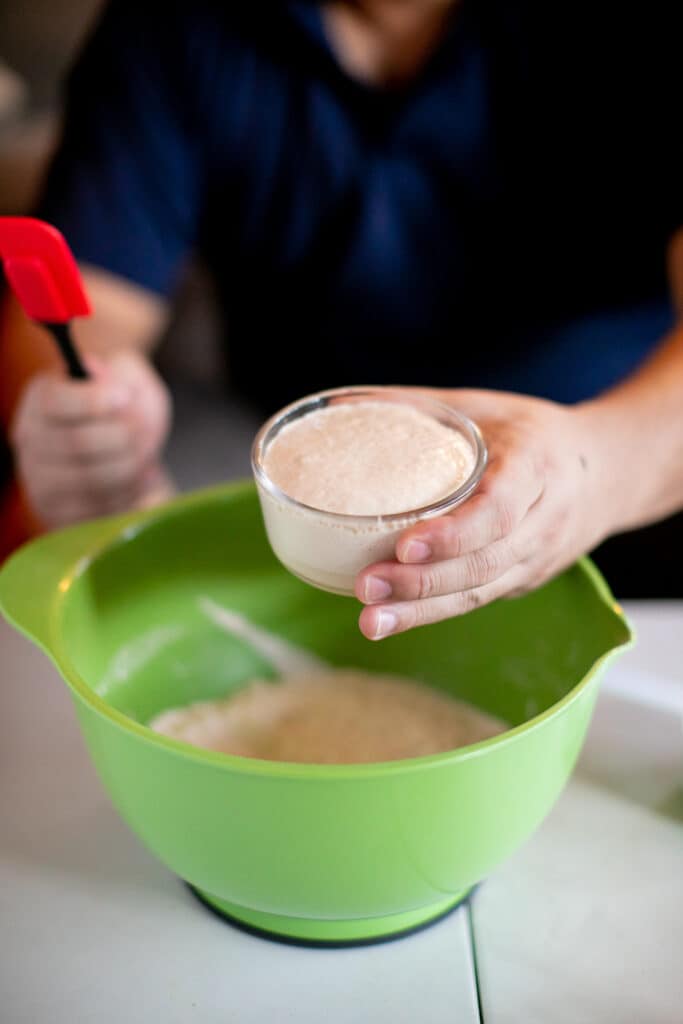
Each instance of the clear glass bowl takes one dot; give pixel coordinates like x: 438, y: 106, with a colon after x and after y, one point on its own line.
x: 328, y: 549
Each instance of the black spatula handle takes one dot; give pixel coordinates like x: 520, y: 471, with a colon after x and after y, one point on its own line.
x: 62, y: 335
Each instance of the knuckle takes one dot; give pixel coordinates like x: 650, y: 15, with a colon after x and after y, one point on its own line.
x: 470, y: 600
x: 96, y: 479
x: 77, y: 442
x: 517, y: 553
x: 482, y: 566
x: 550, y: 537
x: 555, y: 531
x: 562, y: 521
x: 429, y: 583
x: 417, y: 614
x: 505, y: 515
x: 451, y: 536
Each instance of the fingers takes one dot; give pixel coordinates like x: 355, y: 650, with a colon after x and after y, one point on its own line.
x: 511, y: 486
x: 81, y: 443
x: 398, y: 582
x: 87, y: 448
x: 79, y: 508
x: 63, y: 495
x: 101, y: 477
x: 64, y: 402
x: 379, y: 621
x: 525, y: 522
x: 476, y: 555
x: 63, y: 419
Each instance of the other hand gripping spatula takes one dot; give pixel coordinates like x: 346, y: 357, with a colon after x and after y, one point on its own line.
x: 42, y: 273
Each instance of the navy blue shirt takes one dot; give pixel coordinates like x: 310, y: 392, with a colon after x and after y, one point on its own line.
x: 500, y: 221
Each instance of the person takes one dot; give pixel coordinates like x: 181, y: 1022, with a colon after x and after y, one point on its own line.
x: 473, y: 197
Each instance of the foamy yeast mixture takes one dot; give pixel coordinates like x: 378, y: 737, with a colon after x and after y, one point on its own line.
x: 342, y: 716
x: 368, y: 458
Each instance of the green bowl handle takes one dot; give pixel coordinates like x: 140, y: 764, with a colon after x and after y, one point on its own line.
x: 30, y: 580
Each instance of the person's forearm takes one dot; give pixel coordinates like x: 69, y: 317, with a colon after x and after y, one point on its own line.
x: 638, y: 433
x: 126, y: 316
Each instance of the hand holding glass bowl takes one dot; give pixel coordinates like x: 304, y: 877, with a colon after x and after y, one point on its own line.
x: 326, y: 547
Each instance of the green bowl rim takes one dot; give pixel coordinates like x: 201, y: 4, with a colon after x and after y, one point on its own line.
x: 137, y: 523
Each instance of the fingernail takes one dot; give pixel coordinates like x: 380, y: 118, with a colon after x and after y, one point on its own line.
x: 416, y: 551
x: 377, y: 589
x: 386, y: 624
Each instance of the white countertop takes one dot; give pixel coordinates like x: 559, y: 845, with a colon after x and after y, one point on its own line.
x: 583, y: 925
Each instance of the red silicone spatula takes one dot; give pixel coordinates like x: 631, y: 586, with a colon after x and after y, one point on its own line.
x: 42, y: 273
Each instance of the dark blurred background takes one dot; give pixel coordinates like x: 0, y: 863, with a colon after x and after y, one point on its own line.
x: 211, y: 436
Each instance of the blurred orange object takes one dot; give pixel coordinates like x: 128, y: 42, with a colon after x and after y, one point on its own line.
x: 25, y: 350
x: 17, y: 522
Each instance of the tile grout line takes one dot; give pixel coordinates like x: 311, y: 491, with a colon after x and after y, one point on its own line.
x: 475, y: 962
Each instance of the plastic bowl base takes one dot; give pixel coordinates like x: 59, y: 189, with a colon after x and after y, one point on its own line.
x: 302, y: 931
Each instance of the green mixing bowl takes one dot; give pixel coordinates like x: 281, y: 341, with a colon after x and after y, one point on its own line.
x: 320, y: 853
